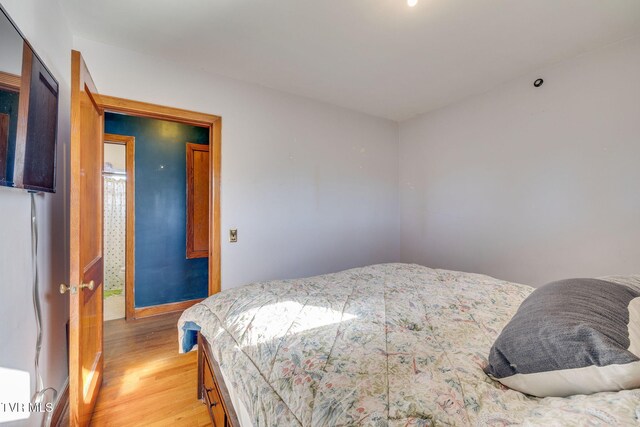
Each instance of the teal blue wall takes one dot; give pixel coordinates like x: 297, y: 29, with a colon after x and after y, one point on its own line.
x: 162, y: 272
x: 9, y: 105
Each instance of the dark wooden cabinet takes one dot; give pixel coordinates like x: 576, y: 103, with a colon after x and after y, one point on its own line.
x: 198, y: 178
x: 212, y: 396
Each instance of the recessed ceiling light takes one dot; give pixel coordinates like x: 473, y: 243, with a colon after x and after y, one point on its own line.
x: 412, y: 3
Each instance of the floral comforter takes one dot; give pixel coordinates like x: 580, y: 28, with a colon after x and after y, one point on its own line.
x: 384, y: 345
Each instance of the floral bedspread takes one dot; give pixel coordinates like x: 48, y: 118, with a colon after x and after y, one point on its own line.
x: 384, y: 345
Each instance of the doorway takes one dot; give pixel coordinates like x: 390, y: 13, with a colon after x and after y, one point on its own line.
x: 118, y: 226
x: 114, y: 193
x: 171, y: 162
x: 213, y: 126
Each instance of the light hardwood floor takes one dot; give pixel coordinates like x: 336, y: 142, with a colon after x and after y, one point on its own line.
x: 146, y: 382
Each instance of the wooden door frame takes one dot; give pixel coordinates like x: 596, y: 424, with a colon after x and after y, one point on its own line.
x: 129, y: 258
x: 10, y: 82
x: 214, y: 124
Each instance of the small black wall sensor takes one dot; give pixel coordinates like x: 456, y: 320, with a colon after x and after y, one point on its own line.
x: 538, y: 82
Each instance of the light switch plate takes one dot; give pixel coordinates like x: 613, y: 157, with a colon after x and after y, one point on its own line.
x: 233, y: 235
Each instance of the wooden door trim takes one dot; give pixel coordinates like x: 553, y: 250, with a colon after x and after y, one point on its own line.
x: 130, y: 224
x: 215, y: 166
x: 172, y: 307
x: 10, y: 82
x: 5, y: 126
x: 214, y: 124
x: 154, y: 111
x: 61, y: 406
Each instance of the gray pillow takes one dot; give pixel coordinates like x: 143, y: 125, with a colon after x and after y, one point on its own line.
x: 576, y: 336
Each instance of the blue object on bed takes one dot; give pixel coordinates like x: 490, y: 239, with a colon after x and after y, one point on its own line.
x: 190, y: 337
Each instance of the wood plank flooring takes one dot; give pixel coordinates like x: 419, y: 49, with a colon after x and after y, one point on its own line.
x: 146, y: 382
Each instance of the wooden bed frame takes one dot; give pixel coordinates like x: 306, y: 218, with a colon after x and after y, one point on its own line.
x: 212, y: 390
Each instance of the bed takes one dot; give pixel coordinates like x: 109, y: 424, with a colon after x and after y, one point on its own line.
x: 383, y: 345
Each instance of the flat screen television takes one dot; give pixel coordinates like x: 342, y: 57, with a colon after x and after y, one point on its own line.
x: 28, y: 114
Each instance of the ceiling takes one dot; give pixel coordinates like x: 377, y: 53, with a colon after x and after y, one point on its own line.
x: 376, y: 56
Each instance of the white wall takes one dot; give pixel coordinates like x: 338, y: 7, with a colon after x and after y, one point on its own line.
x: 45, y: 27
x: 312, y: 188
x: 10, y: 48
x: 116, y: 154
x: 528, y: 184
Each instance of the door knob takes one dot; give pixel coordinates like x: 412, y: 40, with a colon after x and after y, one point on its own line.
x: 89, y: 286
x: 64, y: 288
